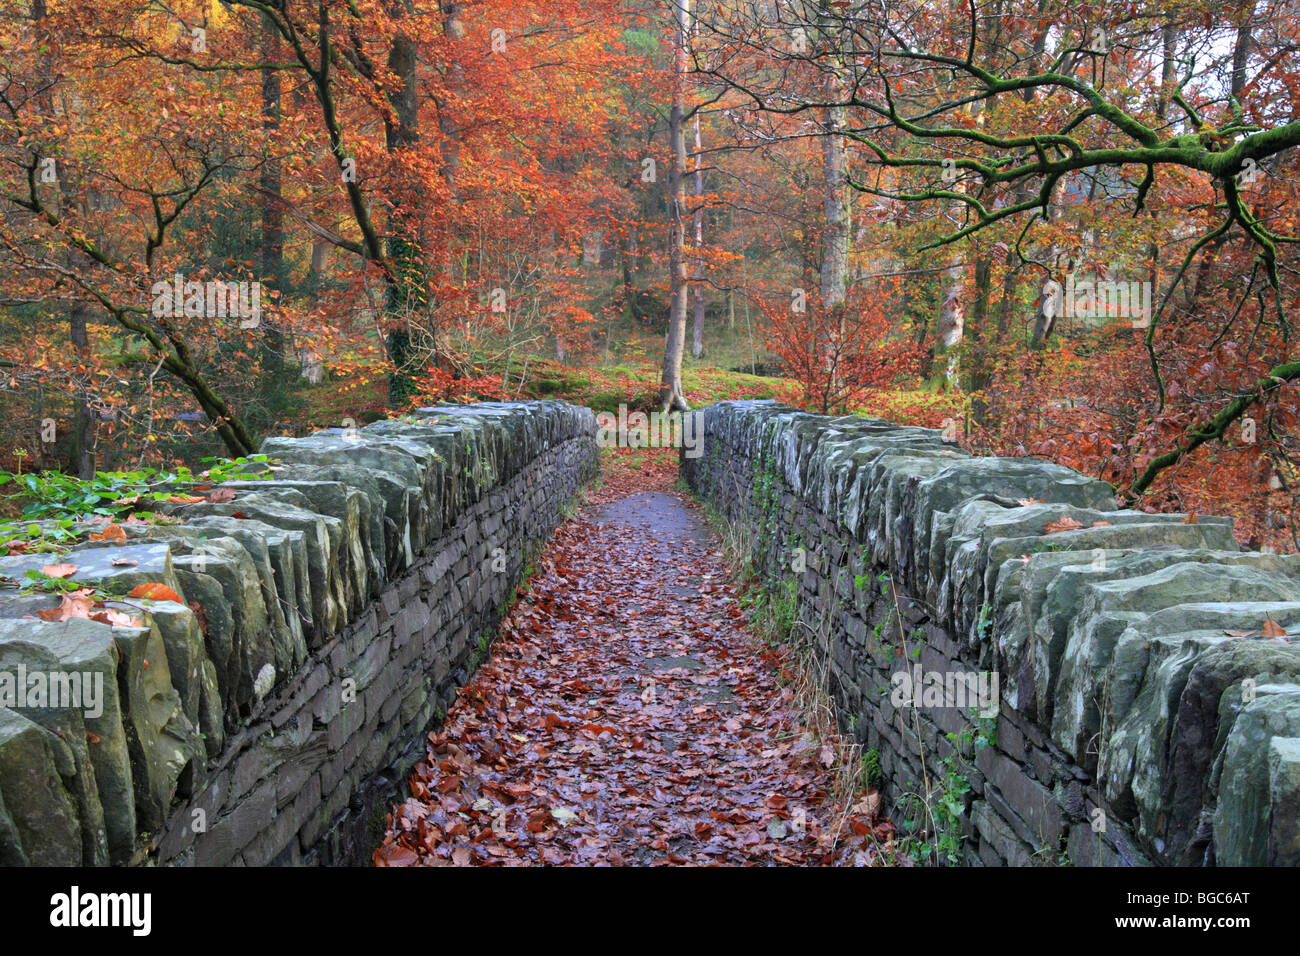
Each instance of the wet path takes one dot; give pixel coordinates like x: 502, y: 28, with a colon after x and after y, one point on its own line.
x: 625, y: 717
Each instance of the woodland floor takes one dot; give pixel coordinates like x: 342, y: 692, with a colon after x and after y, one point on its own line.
x: 629, y: 715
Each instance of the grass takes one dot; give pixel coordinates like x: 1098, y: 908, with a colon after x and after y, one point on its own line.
x: 605, y: 388
x: 919, y: 406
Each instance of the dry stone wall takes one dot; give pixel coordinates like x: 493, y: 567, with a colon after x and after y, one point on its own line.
x: 1141, y: 716
x: 328, y: 615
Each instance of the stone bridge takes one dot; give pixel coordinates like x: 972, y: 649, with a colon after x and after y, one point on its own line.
x: 317, y: 622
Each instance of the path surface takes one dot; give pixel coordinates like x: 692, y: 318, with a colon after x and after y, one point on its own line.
x: 625, y: 716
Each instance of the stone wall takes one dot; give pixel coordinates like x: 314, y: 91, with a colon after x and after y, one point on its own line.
x: 1143, y: 718
x: 327, y: 616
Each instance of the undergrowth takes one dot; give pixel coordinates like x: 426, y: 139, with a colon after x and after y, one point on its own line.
x: 112, y: 494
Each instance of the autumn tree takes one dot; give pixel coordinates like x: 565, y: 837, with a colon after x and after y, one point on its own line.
x: 436, y: 152
x: 997, y: 112
x: 92, y: 206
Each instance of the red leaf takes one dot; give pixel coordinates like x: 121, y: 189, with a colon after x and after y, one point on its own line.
x: 154, y: 592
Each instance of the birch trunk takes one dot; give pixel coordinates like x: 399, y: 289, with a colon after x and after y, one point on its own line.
x: 697, y: 333
x: 835, y: 260
x: 670, y: 388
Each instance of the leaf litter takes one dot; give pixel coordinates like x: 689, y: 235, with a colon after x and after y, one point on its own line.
x: 627, y: 716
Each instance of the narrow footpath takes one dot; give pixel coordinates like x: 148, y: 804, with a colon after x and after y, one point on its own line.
x: 626, y: 716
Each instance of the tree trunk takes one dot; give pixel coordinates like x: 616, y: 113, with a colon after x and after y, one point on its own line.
x: 1010, y: 288
x: 670, y: 388
x: 320, y: 253
x: 835, y: 252
x: 1168, y: 44
x: 1044, y: 316
x: 980, y: 365
x: 1169, y: 49
x: 275, y: 384
x: 406, y: 293
x: 1044, y: 323
x: 835, y: 259
x: 697, y: 334
x: 1241, y: 55
x: 952, y: 315
x: 453, y: 27
x: 85, y: 429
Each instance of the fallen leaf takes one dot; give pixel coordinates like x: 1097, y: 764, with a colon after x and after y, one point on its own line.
x: 76, y: 604
x: 827, y: 755
x: 1063, y: 524
x: 221, y: 496
x: 563, y: 816
x: 395, y: 855
x: 58, y: 570
x: 113, y: 532
x: 1272, y: 628
x: 114, y: 618
x: 154, y: 592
